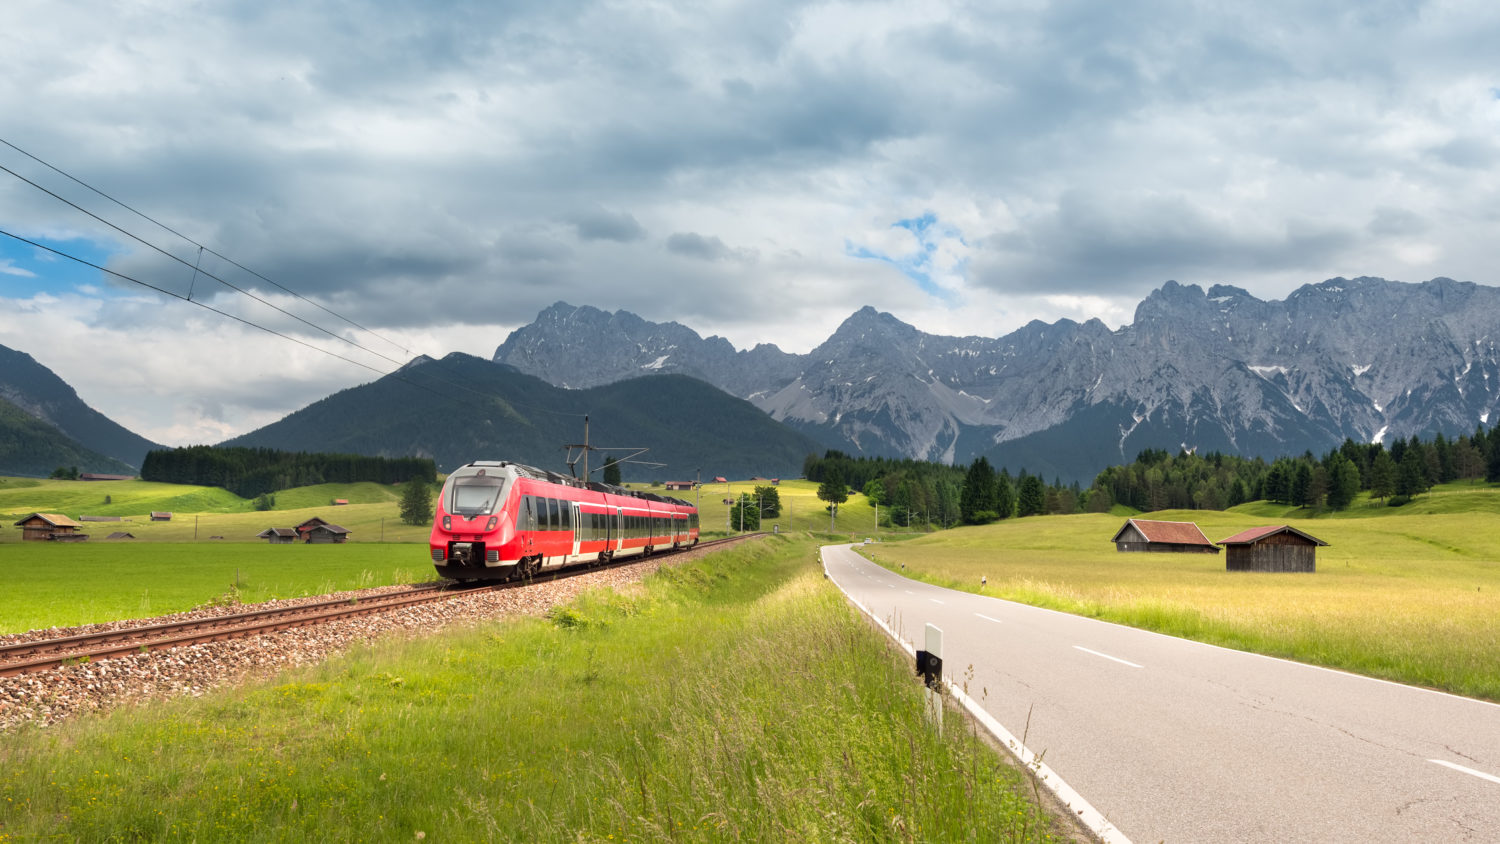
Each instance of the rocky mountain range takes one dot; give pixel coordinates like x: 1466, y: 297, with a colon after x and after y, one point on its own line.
x: 1364, y: 358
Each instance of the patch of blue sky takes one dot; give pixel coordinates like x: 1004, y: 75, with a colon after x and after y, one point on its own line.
x: 26, y: 270
x: 923, y: 263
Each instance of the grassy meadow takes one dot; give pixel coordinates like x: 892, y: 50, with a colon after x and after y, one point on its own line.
x: 738, y: 697
x: 1410, y: 594
x: 49, y: 584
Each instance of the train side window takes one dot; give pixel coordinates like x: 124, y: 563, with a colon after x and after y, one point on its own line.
x: 552, y: 517
x: 567, y: 515
x: 528, y: 513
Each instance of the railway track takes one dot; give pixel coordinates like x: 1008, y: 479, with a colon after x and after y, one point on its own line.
x: 49, y: 654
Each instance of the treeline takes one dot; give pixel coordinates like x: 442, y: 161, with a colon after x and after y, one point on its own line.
x: 918, y: 493
x: 1408, y: 468
x: 251, y: 472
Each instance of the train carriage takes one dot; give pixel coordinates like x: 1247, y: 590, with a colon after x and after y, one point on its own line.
x: 500, y: 520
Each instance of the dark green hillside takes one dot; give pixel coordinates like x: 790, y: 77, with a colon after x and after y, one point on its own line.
x: 40, y: 394
x: 29, y: 446
x: 505, y: 415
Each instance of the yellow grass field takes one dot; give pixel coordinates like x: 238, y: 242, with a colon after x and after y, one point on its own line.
x: 1412, y: 597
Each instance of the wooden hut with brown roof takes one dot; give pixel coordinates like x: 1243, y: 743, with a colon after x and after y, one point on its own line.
x: 325, y: 534
x: 1272, y: 548
x: 45, y: 527
x: 278, y: 536
x: 1148, y: 535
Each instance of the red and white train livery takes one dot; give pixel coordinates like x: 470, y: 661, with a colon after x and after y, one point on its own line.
x: 497, y: 520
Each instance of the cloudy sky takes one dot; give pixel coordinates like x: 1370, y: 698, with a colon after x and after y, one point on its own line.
x: 437, y: 173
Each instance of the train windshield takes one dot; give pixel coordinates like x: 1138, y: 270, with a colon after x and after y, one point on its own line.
x: 476, y: 494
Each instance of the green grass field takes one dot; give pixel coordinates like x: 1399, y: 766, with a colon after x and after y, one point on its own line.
x: 1411, y: 596
x: 735, y: 698
x: 46, y: 584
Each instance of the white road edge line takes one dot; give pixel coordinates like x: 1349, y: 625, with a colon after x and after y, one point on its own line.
x: 987, y: 618
x: 1107, y: 656
x: 1087, y: 815
x: 1470, y: 771
x: 935, y: 600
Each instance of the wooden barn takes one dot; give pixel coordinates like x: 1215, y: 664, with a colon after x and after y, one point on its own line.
x: 160, y: 516
x: 325, y: 534
x: 278, y: 536
x: 679, y: 485
x: 1147, y: 535
x: 44, y: 527
x: 1273, y: 548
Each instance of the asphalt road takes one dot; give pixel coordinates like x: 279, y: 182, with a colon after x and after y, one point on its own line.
x: 1179, y: 741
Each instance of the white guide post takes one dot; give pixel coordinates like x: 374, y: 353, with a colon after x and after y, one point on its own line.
x: 933, y: 675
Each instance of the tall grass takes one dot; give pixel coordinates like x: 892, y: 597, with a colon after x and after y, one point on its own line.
x: 734, y: 699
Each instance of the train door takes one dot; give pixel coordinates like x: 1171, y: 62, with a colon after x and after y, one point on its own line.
x: 619, y: 520
x: 576, y: 522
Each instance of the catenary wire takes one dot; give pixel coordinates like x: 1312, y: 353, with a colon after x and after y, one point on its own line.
x: 200, y: 246
x: 196, y: 270
x: 396, y: 374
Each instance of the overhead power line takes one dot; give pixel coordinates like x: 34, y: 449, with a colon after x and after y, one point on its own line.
x: 194, y: 268
x: 454, y: 389
x: 54, y: 168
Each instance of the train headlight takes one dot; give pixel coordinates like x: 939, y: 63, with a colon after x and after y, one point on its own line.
x: 489, y: 526
x: 447, y: 523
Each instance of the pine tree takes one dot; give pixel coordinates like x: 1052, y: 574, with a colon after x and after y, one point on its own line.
x: 1382, y: 476
x: 612, y: 471
x: 1005, y: 497
x: 1031, y: 500
x: 978, y: 502
x: 416, y: 502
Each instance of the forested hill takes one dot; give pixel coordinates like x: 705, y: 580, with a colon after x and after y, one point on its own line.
x: 463, y: 408
x: 29, y: 446
x: 36, y: 391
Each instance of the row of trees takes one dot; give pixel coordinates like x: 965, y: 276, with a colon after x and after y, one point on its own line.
x: 251, y: 472
x: 1214, y: 481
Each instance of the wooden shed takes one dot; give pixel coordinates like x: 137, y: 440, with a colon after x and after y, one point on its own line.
x: 325, y: 534
x: 1273, y: 548
x: 679, y: 485
x: 278, y: 536
x: 43, y: 527
x: 1147, y: 535
x: 160, y: 516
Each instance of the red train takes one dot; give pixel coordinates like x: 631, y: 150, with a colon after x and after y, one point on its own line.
x: 500, y: 520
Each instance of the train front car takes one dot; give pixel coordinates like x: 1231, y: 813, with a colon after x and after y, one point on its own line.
x: 474, y: 526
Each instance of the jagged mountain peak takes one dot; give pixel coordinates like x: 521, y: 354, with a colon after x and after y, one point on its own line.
x: 1364, y: 358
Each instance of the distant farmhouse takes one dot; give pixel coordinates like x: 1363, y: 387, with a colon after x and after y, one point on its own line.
x: 1147, y: 535
x: 1273, y: 548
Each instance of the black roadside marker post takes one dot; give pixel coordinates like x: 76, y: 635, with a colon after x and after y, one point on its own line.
x: 930, y: 666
